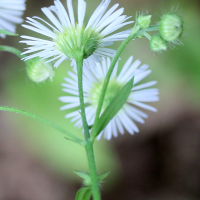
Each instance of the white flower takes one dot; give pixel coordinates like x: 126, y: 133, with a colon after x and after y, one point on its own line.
x: 66, y: 37
x: 92, y: 83
x: 11, y: 12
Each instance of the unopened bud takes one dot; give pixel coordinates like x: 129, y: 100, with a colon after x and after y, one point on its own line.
x: 144, y: 21
x: 157, y: 43
x: 171, y: 27
x: 38, y: 70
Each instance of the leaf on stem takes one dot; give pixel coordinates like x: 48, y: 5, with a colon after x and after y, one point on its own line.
x: 69, y: 135
x: 87, y: 179
x: 7, y: 33
x: 85, y: 176
x: 11, y: 50
x: 83, y: 194
x: 114, y: 106
x: 102, y: 176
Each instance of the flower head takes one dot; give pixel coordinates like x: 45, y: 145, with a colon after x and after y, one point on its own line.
x: 92, y: 83
x: 157, y: 43
x: 11, y: 12
x: 171, y: 27
x: 68, y: 39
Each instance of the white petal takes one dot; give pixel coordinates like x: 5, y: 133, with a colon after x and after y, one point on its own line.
x: 71, y: 12
x: 145, y: 106
x: 97, y: 14
x: 144, y: 85
x: 71, y: 105
x: 81, y: 12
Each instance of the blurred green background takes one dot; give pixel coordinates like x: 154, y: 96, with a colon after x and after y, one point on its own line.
x: 176, y: 70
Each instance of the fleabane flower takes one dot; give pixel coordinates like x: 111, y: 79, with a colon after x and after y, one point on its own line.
x: 11, y: 12
x: 92, y: 83
x: 68, y: 38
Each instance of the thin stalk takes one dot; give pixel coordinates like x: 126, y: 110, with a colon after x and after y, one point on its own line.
x: 132, y: 36
x: 93, y: 171
x: 11, y: 50
x: 69, y: 135
x: 89, y: 143
x: 79, y: 63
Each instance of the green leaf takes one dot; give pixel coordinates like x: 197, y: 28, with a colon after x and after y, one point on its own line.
x: 83, y: 194
x: 102, y: 176
x: 69, y: 135
x: 87, y: 179
x: 85, y: 176
x: 7, y: 33
x: 112, y: 109
x: 11, y: 50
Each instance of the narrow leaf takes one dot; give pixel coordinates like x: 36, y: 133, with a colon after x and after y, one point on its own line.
x: 112, y: 109
x: 11, y: 50
x: 68, y: 134
x: 102, y: 176
x: 85, y: 176
x: 83, y: 194
x: 7, y: 33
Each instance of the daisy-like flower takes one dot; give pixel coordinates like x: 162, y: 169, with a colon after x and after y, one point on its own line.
x: 67, y: 39
x: 92, y: 83
x: 11, y: 12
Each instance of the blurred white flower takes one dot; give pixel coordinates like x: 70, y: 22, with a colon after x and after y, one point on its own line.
x: 11, y: 12
x: 67, y: 38
x: 92, y: 83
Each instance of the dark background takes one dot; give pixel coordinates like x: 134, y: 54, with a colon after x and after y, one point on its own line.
x: 162, y: 162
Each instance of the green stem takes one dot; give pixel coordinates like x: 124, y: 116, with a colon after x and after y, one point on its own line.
x: 81, y: 98
x: 11, y: 50
x: 93, y: 171
x: 133, y: 35
x: 147, y: 35
x: 89, y: 143
x: 70, y: 136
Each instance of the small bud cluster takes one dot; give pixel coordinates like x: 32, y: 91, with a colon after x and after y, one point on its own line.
x: 170, y: 29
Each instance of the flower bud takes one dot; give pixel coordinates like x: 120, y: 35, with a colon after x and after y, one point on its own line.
x: 144, y: 21
x: 157, y: 43
x: 171, y: 27
x: 38, y: 71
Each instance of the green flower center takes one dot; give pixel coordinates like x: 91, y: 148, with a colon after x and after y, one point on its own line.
x: 112, y: 90
x: 76, y: 41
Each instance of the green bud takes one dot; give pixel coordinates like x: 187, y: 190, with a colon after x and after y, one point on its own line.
x: 157, y: 43
x: 171, y: 27
x: 38, y: 71
x: 144, y: 21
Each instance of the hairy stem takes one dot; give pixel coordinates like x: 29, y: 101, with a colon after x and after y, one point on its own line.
x: 69, y: 135
x: 89, y: 143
